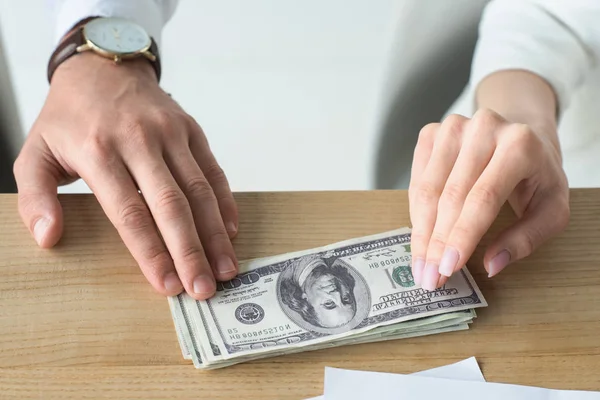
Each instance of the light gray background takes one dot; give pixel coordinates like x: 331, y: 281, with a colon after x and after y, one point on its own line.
x: 311, y: 95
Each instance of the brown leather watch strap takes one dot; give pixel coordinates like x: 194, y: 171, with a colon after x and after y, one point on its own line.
x: 156, y: 63
x: 68, y: 48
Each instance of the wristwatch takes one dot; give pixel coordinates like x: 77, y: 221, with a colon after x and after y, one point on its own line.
x: 116, y: 38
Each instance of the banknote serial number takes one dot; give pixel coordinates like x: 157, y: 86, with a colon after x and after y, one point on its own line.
x: 390, y: 261
x: 234, y: 333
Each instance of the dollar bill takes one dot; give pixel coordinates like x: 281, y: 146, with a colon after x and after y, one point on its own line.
x: 356, y: 291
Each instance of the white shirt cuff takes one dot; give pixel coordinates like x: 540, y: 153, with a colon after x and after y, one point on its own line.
x: 149, y: 14
x: 522, y: 35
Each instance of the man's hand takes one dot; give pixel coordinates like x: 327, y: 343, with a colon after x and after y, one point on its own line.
x: 114, y: 127
x: 464, y: 170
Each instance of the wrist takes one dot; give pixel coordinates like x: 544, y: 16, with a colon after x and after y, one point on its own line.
x: 91, y: 66
x: 117, y: 40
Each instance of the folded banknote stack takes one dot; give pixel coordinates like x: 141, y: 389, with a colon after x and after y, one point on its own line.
x: 356, y: 291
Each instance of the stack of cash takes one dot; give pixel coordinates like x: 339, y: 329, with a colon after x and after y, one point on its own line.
x: 357, y: 291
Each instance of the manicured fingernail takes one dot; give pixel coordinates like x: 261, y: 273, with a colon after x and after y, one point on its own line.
x: 431, y: 276
x: 417, y: 271
x: 448, y: 261
x: 498, y: 263
x: 172, y: 283
x: 225, y: 266
x: 204, y: 284
x: 231, y: 228
x: 442, y: 281
x: 39, y: 230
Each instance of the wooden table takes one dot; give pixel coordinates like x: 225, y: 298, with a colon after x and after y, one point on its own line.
x: 79, y: 321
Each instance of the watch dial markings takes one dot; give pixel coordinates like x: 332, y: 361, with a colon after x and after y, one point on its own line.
x: 117, y: 36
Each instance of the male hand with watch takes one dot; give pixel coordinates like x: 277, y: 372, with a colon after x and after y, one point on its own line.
x: 107, y: 121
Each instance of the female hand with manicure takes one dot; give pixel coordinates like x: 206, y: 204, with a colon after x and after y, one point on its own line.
x: 115, y: 128
x: 464, y: 170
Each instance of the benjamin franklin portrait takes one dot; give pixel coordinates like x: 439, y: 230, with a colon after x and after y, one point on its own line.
x: 323, y: 293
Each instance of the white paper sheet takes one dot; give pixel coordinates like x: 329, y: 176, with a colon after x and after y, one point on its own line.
x: 356, y: 385
x: 467, y: 370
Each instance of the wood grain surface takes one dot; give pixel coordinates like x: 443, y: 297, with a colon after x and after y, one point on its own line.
x: 79, y: 320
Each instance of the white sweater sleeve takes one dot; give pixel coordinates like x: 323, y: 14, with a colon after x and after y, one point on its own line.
x: 558, y: 40
x: 152, y: 15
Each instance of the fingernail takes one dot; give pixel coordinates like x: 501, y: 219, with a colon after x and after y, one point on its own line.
x: 231, y: 228
x: 225, y: 266
x: 448, y: 261
x: 498, y: 263
x: 442, y: 281
x: 172, y: 283
x: 39, y: 230
x: 204, y: 284
x: 417, y: 271
x: 431, y: 276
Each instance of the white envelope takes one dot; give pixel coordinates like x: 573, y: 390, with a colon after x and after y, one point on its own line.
x: 465, y: 370
x: 357, y: 385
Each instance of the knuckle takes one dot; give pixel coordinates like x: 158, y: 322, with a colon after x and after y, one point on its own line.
x: 484, y: 196
x: 215, y: 174
x: 155, y: 262
x: 453, y: 125
x: 460, y: 233
x: 453, y: 194
x: 417, y: 237
x: 418, y: 247
x: 428, y: 132
x: 97, y: 148
x: 217, y: 236
x: 533, y: 236
x: 157, y: 258
x: 427, y: 193
x: 198, y: 135
x: 162, y: 118
x: 199, y: 188
x: 134, y: 215
x: 523, y: 145
x: 170, y: 201
x: 192, y: 123
x: 521, y: 133
x: 438, y: 239
x: 191, y: 254
x: 485, y: 118
x: 523, y: 137
x: 427, y: 136
x: 170, y: 125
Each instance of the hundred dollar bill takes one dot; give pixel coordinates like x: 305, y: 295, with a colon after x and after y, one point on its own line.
x: 350, y: 292
x: 421, y: 327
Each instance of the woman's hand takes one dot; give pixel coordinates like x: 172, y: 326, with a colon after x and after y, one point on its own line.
x: 463, y: 171
x: 114, y: 127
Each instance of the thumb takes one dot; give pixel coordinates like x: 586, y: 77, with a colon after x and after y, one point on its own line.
x: 37, y: 182
x: 541, y: 222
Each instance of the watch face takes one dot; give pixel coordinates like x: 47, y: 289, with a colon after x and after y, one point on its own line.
x: 116, y: 35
